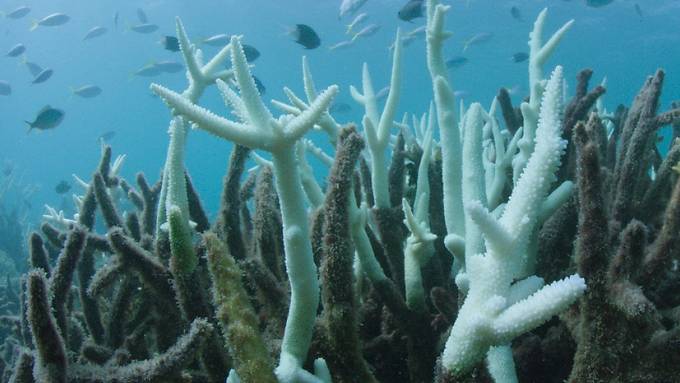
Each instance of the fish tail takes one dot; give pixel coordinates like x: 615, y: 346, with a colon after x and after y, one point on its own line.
x: 465, y: 47
x: 30, y: 126
x: 34, y: 25
x: 350, y: 28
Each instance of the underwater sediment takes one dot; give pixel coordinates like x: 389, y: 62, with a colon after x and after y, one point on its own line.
x: 539, y: 248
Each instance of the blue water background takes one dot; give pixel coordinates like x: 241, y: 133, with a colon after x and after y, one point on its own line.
x: 614, y: 41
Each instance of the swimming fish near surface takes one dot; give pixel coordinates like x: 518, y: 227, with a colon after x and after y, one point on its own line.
x: 43, y: 76
x: 52, y: 20
x: 62, y: 187
x: 5, y: 88
x: 144, y: 28
x: 456, y: 62
x: 169, y: 66
x: 149, y: 70
x: 341, y: 45
x: 412, y: 10
x: 350, y: 7
x: 251, y: 52
x: 16, y: 50
x: 47, y: 118
x: 95, y: 32
x: 306, y: 36
x: 106, y: 136
x: 598, y: 3
x: 477, y: 39
x: 87, y: 91
x: 516, y: 13
x: 18, y: 12
x: 367, y: 31
x: 219, y: 40
x: 360, y: 18
x: 520, y: 57
x: 33, y: 68
x: 170, y: 43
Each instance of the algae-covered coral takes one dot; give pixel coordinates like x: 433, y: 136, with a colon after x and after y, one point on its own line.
x: 541, y: 250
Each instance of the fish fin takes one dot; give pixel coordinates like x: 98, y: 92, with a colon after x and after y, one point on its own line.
x: 34, y: 25
x: 30, y: 126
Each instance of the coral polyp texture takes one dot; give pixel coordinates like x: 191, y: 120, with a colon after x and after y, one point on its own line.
x: 459, y: 247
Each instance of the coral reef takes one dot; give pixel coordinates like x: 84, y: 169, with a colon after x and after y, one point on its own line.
x: 545, y: 251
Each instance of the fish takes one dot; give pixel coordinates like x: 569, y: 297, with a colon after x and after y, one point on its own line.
x: 170, y: 43
x: 520, y: 57
x: 341, y: 45
x: 461, y: 94
x: 382, y: 93
x: 217, y: 40
x: 52, y: 20
x: 43, y: 76
x: 418, y: 32
x: 95, y: 32
x: 251, y: 52
x: 357, y: 20
x: 62, y: 187
x: 33, y: 68
x: 106, y: 136
x: 367, y: 31
x: 141, y: 16
x: 350, y: 7
x: 144, y: 28
x: 169, y: 66
x: 5, y: 88
x: 115, y: 19
x: 598, y: 3
x: 16, y: 50
x: 515, y: 13
x: 148, y: 70
x: 479, y: 38
x: 18, y: 12
x: 87, y: 91
x: 412, y: 10
x: 456, y: 62
x: 306, y: 36
x: 638, y: 10
x: 47, y: 118
x: 340, y: 107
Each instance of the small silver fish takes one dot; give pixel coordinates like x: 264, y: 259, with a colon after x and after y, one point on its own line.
x: 341, y: 45
x: 357, y: 20
x: 95, y: 32
x: 141, y: 16
x: 169, y: 66
x: 87, y: 91
x: 16, y: 50
x: 5, y: 88
x: 47, y: 118
x: 52, y: 20
x: 18, y: 13
x: 477, y: 39
x: 144, y: 28
x: 43, y: 76
x: 367, y: 31
x: 350, y: 7
x: 148, y: 70
x: 217, y: 40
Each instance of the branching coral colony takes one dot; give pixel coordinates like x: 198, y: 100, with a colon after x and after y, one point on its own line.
x: 419, y: 262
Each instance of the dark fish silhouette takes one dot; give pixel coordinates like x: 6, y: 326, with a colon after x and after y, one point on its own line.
x: 62, y: 187
x: 52, y: 20
x: 144, y: 28
x: 412, y: 10
x: 456, y: 62
x: 170, y: 43
x: 16, y: 50
x: 95, y: 32
x: 515, y: 13
x: 115, y: 20
x: 43, y: 76
x: 18, y: 13
x: 47, y: 118
x: 87, y: 91
x: 520, y: 57
x: 5, y: 88
x: 305, y: 36
x: 638, y: 10
x: 141, y: 16
x: 598, y: 3
x: 251, y: 52
x: 259, y: 85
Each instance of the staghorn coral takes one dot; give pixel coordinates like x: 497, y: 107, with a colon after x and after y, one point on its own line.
x: 419, y: 261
